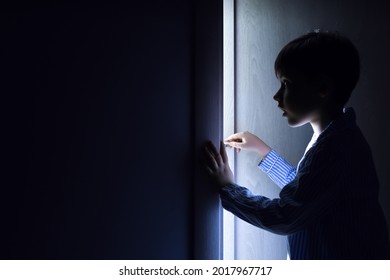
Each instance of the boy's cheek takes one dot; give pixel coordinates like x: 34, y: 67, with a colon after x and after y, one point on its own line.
x: 301, y: 106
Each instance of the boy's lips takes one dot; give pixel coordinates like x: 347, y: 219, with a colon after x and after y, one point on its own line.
x: 284, y: 111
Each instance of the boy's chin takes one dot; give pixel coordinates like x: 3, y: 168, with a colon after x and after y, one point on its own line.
x: 294, y: 122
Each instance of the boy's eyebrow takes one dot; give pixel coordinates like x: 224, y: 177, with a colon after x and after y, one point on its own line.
x: 280, y: 77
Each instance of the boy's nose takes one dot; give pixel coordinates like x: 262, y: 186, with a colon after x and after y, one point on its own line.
x: 276, y: 96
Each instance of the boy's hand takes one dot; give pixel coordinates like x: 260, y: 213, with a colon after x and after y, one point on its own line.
x: 217, y: 165
x: 247, y: 141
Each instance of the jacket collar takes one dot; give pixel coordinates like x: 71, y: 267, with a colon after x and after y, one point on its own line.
x: 345, y: 121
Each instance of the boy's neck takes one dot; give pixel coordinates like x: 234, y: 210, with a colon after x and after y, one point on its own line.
x: 323, y: 118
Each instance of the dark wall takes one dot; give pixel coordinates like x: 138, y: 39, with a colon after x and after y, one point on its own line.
x: 104, y: 110
x: 97, y: 124
x: 371, y: 98
x: 208, y: 124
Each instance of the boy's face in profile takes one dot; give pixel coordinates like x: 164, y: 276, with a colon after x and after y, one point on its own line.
x: 298, y: 97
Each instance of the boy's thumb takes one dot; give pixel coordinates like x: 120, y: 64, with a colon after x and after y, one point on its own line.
x: 236, y: 144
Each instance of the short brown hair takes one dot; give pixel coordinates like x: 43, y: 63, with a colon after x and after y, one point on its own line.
x: 323, y: 52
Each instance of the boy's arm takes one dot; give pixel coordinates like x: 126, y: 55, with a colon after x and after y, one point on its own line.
x: 313, y: 192
x: 277, y: 168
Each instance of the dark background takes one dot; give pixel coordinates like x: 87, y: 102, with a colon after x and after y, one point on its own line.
x: 98, y: 127
x: 103, y: 111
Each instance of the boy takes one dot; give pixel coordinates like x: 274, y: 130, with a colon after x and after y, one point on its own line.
x: 328, y: 206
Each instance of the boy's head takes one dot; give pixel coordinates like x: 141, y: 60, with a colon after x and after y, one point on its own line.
x: 317, y: 70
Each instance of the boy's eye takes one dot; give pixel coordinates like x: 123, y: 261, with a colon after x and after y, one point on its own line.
x: 287, y: 84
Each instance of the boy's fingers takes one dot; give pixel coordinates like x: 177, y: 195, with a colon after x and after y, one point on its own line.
x: 216, y: 154
x: 235, y: 145
x: 234, y: 142
x: 208, y: 169
x: 233, y: 137
x: 223, y: 152
x: 210, y: 158
x: 230, y: 139
x: 210, y: 147
x: 228, y: 144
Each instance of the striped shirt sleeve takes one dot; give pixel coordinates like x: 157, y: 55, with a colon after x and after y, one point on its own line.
x: 311, y: 194
x: 279, y: 170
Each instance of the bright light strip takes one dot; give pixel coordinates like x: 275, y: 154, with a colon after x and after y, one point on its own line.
x: 228, y: 117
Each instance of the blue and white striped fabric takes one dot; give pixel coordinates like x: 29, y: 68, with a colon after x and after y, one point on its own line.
x: 280, y: 170
x: 277, y: 168
x: 328, y: 207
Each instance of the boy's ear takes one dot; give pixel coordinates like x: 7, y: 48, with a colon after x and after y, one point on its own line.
x: 325, y: 85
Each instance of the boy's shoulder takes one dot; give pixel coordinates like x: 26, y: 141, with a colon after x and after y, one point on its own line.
x: 342, y: 131
x: 347, y: 144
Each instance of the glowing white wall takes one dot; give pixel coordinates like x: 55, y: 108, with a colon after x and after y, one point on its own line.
x: 228, y: 116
